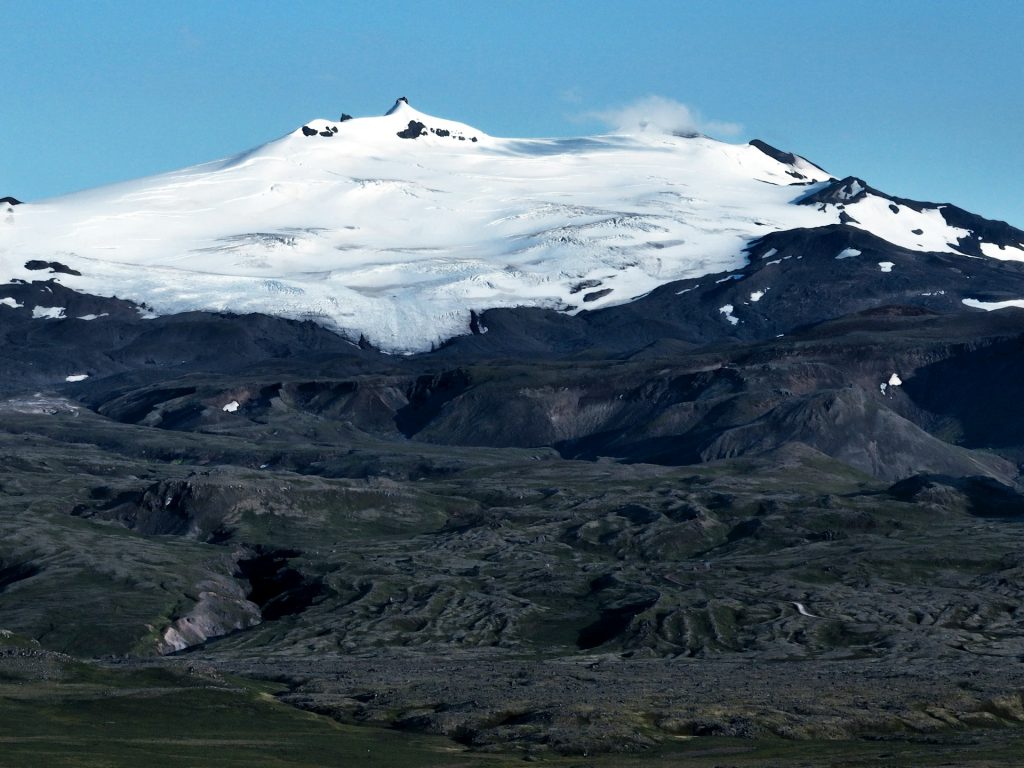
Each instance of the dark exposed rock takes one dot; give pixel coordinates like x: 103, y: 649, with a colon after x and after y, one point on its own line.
x: 615, y: 618
x: 595, y: 295
x: 55, y: 267
x: 843, y: 191
x: 744, y: 529
x: 783, y: 157
x: 12, y: 573
x: 307, y: 131
x: 787, y: 158
x: 187, y: 508
x: 414, y: 130
x: 118, y: 338
x: 977, y: 389
x: 427, y: 397
x: 982, y: 496
x: 583, y: 285
x: 277, y: 588
x: 638, y: 514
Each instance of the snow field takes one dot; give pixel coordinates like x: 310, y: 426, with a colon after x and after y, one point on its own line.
x: 398, y: 239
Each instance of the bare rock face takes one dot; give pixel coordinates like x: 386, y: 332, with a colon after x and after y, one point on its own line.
x: 222, y: 608
x: 854, y: 428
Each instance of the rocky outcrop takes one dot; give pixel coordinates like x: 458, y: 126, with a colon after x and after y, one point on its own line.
x: 221, y: 607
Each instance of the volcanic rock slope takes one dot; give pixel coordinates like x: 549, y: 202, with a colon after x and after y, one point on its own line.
x: 667, y: 410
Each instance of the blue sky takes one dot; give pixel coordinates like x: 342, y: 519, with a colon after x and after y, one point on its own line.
x: 921, y: 99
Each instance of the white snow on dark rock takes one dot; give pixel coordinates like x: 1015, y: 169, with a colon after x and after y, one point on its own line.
x: 396, y: 227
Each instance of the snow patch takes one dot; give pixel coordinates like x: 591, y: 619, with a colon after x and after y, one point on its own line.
x: 230, y: 407
x: 94, y: 317
x: 758, y: 295
x: 727, y: 311
x: 769, y: 253
x: 802, y: 610
x: 990, y: 306
x: 1002, y: 252
x: 886, y: 266
x: 895, y: 380
x: 848, y: 253
x: 76, y: 377
x: 873, y: 214
x: 9, y: 302
x: 47, y: 313
x: 850, y: 191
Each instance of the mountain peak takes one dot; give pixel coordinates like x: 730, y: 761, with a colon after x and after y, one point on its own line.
x: 401, y: 103
x: 401, y: 120
x: 397, y: 227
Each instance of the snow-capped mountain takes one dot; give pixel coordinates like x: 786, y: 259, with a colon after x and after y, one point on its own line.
x: 396, y: 228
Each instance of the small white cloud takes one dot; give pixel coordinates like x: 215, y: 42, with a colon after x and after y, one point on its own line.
x: 657, y: 114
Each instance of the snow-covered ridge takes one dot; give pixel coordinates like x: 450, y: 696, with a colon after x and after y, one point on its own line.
x: 396, y: 227
x: 918, y: 226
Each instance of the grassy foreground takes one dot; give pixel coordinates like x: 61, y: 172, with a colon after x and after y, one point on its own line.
x: 91, y: 717
x: 63, y: 713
